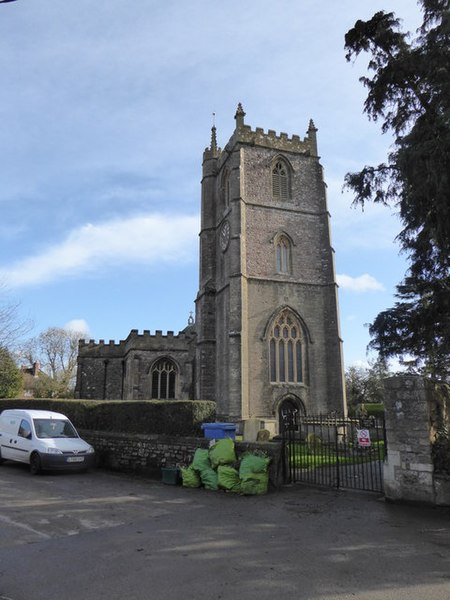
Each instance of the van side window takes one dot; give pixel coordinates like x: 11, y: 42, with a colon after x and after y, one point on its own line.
x: 25, y: 430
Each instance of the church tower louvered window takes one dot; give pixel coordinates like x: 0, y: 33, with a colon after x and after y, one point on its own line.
x: 280, y: 181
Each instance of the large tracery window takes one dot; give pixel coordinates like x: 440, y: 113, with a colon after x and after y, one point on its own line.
x: 163, y: 380
x: 286, y: 350
x: 280, y: 181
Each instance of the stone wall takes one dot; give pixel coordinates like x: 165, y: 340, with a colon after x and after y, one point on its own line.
x: 146, y: 454
x: 414, y: 411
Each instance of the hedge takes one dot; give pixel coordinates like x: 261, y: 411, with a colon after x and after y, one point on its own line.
x: 170, y: 417
x: 369, y: 409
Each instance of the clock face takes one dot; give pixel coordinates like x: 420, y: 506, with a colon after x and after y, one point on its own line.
x: 225, y: 235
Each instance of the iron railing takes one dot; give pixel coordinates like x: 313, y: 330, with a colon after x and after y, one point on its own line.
x: 335, y: 451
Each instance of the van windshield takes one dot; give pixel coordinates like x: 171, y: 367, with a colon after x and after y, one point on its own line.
x: 54, y: 428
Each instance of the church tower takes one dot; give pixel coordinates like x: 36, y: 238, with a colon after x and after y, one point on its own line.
x: 266, y: 312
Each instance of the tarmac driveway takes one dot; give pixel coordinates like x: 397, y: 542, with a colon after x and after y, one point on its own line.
x: 109, y: 536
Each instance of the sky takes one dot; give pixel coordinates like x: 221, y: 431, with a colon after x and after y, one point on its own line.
x: 105, y: 109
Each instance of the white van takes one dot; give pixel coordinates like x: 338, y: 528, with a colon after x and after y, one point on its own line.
x: 44, y: 440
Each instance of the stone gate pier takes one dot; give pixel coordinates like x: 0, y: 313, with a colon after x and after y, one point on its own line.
x: 415, y: 409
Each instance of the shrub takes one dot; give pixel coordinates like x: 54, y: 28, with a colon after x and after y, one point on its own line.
x: 369, y: 409
x: 10, y: 375
x: 179, y: 418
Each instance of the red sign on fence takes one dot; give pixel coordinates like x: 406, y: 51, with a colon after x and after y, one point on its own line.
x: 363, y: 436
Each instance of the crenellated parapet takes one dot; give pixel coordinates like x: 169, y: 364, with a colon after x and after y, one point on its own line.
x: 158, y: 340
x: 101, y: 349
x: 136, y: 340
x: 244, y: 134
x: 124, y: 369
x: 271, y: 139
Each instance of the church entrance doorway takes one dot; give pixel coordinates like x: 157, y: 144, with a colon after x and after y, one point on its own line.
x: 290, y: 409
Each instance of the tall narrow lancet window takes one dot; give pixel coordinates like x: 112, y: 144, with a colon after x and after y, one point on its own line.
x: 226, y: 191
x: 283, y: 254
x: 285, y: 348
x: 280, y: 181
x: 163, y: 380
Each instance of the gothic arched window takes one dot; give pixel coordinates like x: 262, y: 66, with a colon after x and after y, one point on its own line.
x: 285, y: 346
x: 164, y: 376
x: 280, y: 180
x: 283, y: 254
x: 226, y: 189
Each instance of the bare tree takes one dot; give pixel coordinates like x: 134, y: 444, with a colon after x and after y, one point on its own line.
x: 12, y: 326
x: 56, y: 351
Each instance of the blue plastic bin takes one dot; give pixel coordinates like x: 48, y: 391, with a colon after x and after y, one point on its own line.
x: 218, y: 431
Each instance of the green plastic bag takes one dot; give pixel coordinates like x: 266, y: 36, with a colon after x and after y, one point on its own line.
x: 222, y: 453
x: 201, y: 460
x: 256, y: 484
x: 253, y: 463
x: 190, y: 477
x: 228, y: 479
x: 209, y: 479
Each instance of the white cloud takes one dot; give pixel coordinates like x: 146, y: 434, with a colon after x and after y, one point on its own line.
x: 363, y: 283
x: 146, y: 239
x: 77, y: 326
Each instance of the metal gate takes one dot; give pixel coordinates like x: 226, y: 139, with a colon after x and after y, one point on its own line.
x: 334, y: 451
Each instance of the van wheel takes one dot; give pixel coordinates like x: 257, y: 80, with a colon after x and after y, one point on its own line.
x: 35, y: 464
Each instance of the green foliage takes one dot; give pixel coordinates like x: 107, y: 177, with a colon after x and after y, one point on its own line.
x: 10, y: 375
x: 183, y: 418
x: 409, y: 91
x: 355, y: 385
x: 365, y: 385
x: 441, y: 444
x: 44, y: 386
x: 370, y: 409
x: 305, y: 456
x: 313, y: 441
x: 441, y: 454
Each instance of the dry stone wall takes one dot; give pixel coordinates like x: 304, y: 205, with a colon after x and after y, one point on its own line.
x: 147, y: 454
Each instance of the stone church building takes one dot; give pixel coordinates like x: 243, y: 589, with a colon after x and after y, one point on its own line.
x: 265, y: 339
